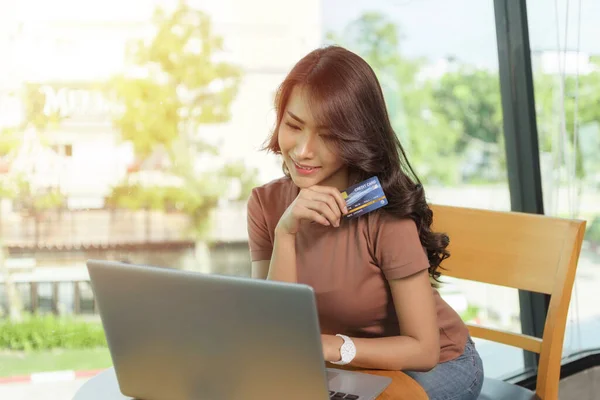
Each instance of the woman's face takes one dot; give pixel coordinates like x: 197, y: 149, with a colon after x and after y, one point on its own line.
x: 307, y: 151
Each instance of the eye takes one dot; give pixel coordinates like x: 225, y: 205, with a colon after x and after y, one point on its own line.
x: 294, y: 127
x: 326, y: 136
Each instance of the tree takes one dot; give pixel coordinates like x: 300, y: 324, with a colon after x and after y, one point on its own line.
x: 469, y: 99
x: 15, y: 305
x: 426, y: 135
x: 582, y: 100
x: 179, y: 85
x: 17, y: 185
x: 560, y: 113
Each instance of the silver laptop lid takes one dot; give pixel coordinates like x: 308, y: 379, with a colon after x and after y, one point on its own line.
x: 182, y: 335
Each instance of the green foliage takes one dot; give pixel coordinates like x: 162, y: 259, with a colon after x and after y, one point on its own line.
x: 581, y: 97
x: 592, y: 232
x: 36, y: 114
x: 470, y: 313
x: 151, y: 113
x: 182, y: 86
x: 9, y: 140
x: 432, y: 140
x: 372, y: 36
x: 471, y: 99
x: 443, y: 120
x: 36, y: 332
x: 247, y: 177
x: 197, y: 196
x: 39, y: 118
x: 426, y: 135
x: 35, y: 201
x: 454, y: 121
x: 193, y: 200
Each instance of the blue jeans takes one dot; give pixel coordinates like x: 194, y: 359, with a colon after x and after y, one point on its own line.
x: 458, y: 379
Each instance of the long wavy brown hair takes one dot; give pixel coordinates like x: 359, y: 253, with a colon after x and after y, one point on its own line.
x: 346, y: 97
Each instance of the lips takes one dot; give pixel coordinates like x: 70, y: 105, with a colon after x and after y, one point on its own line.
x: 305, y: 169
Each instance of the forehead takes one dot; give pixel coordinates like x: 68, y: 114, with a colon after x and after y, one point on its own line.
x: 299, y: 104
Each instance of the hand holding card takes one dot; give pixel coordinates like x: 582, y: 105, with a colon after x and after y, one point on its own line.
x: 364, y: 197
x: 318, y: 204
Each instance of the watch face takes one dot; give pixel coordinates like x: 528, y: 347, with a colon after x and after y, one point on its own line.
x: 348, y: 351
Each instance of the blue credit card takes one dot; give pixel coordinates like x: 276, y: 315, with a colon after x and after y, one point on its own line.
x: 364, y: 197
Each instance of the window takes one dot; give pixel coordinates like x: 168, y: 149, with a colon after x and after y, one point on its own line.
x: 89, y: 129
x: 443, y: 96
x: 566, y: 70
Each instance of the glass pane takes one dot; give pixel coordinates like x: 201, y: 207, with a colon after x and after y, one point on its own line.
x: 443, y: 97
x: 3, y: 302
x: 566, y: 69
x: 86, y: 299
x: 44, y: 297
x: 90, y: 105
x: 66, y: 294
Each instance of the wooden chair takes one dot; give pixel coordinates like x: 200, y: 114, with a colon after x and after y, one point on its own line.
x: 522, y: 251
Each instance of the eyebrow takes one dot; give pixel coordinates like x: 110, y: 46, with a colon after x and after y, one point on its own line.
x: 295, y: 117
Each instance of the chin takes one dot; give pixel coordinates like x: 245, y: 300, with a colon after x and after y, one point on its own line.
x: 304, y: 182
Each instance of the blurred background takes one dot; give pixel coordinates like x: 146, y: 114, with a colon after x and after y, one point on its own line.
x: 131, y: 131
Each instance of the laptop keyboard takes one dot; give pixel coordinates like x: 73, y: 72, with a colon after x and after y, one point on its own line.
x: 340, y: 395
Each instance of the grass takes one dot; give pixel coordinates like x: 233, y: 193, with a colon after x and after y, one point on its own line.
x: 14, y: 363
x: 470, y: 313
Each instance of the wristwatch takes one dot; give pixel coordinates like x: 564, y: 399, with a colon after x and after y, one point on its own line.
x: 347, y: 351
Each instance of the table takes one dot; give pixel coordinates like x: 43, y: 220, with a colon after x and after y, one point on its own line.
x: 104, y: 386
x: 403, y: 387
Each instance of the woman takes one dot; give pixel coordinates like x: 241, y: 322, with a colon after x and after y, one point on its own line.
x: 371, y: 275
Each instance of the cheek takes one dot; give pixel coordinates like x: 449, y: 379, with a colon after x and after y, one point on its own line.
x: 331, y: 158
x: 282, y: 140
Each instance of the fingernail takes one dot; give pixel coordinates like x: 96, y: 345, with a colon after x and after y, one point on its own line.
x: 345, y: 210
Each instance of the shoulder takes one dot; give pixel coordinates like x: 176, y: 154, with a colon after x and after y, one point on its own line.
x: 396, y: 246
x: 384, y: 230
x: 272, y: 193
x: 385, y: 222
x: 266, y: 204
x: 274, y: 189
x: 272, y: 198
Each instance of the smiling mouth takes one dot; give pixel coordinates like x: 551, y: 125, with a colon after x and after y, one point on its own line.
x: 305, y: 167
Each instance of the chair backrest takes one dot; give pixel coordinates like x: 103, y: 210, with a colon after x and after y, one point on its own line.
x: 522, y: 251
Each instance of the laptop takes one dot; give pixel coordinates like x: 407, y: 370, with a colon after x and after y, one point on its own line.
x: 182, y: 335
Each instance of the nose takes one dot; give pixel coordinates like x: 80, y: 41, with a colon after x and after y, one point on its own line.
x: 305, y: 146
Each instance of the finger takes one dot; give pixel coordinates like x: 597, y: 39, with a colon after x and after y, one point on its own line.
x: 315, y: 216
x: 327, y: 199
x: 323, y: 209
x: 336, y: 195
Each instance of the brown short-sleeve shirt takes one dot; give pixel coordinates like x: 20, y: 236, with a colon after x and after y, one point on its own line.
x: 349, y: 267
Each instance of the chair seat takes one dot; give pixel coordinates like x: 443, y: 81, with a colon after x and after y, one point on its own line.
x: 494, y: 389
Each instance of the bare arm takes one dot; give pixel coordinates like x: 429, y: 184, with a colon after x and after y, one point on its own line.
x: 282, y: 266
x: 260, y: 269
x: 283, y: 261
x: 417, y: 349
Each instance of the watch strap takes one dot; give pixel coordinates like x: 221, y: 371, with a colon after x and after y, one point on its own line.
x: 347, y: 351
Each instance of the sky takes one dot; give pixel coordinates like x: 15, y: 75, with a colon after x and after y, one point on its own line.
x: 466, y: 28
x: 435, y: 29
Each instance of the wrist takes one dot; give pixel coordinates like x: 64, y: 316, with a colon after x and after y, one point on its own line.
x: 333, y: 349
x: 282, y: 235
x: 347, y: 351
